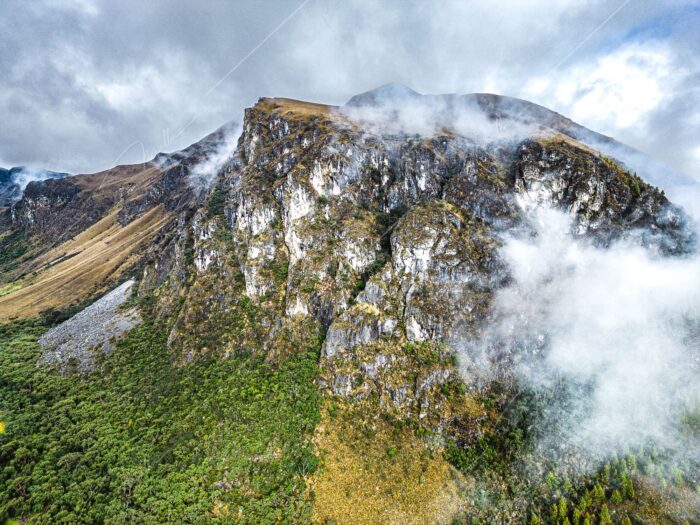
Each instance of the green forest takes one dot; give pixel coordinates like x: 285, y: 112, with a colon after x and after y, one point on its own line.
x: 145, y: 440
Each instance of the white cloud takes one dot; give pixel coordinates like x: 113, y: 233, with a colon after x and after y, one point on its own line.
x: 616, y: 320
x: 643, y: 93
x: 618, y: 89
x: 131, y: 70
x: 82, y: 7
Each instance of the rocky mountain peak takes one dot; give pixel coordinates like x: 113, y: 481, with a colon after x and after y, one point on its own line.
x: 372, y: 240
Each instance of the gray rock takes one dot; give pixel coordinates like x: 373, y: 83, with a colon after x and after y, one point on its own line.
x: 77, y: 341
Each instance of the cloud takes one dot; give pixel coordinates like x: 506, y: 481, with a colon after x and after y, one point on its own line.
x: 620, y: 324
x: 620, y: 88
x: 641, y: 93
x: 395, y: 109
x: 80, y: 82
x: 203, y: 174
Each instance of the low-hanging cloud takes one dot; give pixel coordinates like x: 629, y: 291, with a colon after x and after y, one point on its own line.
x: 24, y: 176
x: 620, y: 326
x: 14, y: 181
x: 202, y: 175
x: 397, y: 110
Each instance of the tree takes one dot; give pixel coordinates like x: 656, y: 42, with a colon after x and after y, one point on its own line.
x: 605, y: 518
x: 577, y: 517
x: 598, y: 494
x: 616, y: 497
x: 584, y: 501
x: 627, y: 487
x: 554, y: 513
x: 563, y: 508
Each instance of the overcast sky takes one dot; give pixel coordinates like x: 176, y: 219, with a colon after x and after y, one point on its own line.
x: 85, y: 84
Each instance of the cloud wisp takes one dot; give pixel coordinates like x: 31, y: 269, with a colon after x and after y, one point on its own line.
x: 203, y: 174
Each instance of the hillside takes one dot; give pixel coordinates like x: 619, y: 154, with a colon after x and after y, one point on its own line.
x: 334, y: 319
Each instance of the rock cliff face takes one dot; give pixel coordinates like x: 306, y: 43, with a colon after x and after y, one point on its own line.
x: 383, y: 241
x: 386, y: 243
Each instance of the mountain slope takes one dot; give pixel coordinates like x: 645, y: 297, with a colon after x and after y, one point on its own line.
x: 309, y: 345
x: 13, y: 181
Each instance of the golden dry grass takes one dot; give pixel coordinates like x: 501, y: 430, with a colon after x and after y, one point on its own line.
x: 115, y: 178
x: 286, y: 106
x: 551, y: 137
x: 82, y: 266
x: 390, y: 476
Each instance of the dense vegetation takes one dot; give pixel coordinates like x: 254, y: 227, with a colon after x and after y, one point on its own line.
x: 13, y: 245
x: 143, y: 440
x: 516, y: 469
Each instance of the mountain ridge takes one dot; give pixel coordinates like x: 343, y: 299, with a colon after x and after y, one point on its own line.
x: 14, y: 180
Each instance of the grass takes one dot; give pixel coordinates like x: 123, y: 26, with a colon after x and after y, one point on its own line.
x: 373, y: 471
x: 294, y: 108
x: 13, y: 245
x: 80, y: 266
x: 9, y: 288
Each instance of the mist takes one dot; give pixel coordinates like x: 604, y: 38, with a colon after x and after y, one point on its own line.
x: 397, y: 110
x: 14, y: 181
x: 619, y: 326
x: 203, y: 174
x: 27, y: 175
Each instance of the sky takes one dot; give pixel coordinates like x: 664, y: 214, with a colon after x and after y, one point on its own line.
x: 86, y: 84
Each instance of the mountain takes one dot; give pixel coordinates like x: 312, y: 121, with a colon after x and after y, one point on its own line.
x: 293, y: 320
x: 14, y: 180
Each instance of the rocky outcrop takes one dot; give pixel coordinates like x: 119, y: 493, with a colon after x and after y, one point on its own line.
x: 383, y: 240
x: 43, y: 202
x: 607, y: 201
